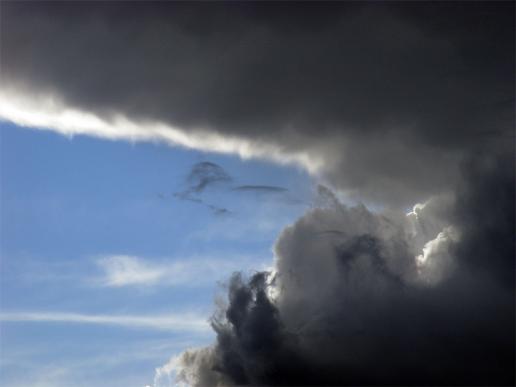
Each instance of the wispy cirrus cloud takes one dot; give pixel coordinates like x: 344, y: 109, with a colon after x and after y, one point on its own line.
x: 122, y: 270
x: 206, y: 174
x: 202, y: 176
x: 181, y: 322
x: 260, y: 188
x: 106, y: 359
x: 128, y: 270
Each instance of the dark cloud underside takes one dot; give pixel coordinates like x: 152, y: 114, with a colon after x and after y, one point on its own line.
x: 349, y: 312
x: 417, y: 85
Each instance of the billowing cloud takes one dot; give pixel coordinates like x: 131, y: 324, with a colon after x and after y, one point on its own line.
x: 311, y: 84
x: 436, y: 260
x: 388, y: 103
x: 364, y: 298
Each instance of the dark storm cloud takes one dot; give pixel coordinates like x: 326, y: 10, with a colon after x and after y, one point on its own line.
x: 359, y: 310
x: 399, y: 102
x: 389, y: 95
x: 486, y: 212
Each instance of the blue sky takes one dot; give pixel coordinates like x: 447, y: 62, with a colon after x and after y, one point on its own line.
x: 104, y: 274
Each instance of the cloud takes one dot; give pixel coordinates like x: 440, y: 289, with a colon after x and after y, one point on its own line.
x: 207, y: 174
x: 126, y: 270
x: 373, y: 97
x: 123, y: 270
x: 387, y: 103
x: 166, y: 375
x: 171, y: 322
x: 389, y: 299
x: 48, y: 376
x: 204, y: 175
x: 436, y: 260
x: 97, y: 362
x: 260, y: 188
x: 272, y: 192
x: 49, y: 112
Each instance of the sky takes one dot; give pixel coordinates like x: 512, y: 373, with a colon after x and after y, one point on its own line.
x: 91, y: 228
x: 226, y: 193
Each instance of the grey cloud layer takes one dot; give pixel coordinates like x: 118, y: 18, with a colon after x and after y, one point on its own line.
x: 401, y: 102
x: 354, y: 307
x: 416, y: 86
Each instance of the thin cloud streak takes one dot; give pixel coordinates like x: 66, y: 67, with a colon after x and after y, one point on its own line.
x: 261, y: 188
x: 207, y: 174
x: 170, y: 322
x: 126, y: 270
